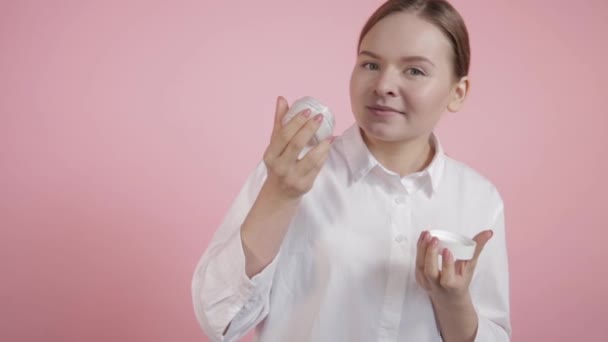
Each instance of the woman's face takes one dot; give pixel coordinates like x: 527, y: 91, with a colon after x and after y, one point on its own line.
x: 403, y: 79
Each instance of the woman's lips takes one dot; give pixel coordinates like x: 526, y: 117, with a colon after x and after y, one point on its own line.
x: 383, y: 111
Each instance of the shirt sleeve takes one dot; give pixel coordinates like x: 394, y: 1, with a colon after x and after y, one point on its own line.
x: 222, y: 293
x: 490, y: 286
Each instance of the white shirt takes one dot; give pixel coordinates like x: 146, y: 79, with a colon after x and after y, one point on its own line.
x: 346, y: 268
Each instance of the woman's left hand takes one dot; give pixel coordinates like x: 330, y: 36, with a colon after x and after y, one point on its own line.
x: 451, y: 284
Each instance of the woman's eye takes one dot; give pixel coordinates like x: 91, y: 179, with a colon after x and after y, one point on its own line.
x: 415, y: 72
x: 371, y: 66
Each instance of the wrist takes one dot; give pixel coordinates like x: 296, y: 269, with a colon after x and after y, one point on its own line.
x: 272, y: 191
x: 456, y: 317
x: 453, y: 303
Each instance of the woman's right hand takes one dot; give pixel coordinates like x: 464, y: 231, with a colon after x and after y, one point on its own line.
x: 288, y: 175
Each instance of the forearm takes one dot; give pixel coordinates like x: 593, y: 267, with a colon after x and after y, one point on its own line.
x: 457, y: 321
x: 265, y: 227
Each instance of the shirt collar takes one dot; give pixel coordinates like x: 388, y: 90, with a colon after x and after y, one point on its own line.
x: 361, y: 161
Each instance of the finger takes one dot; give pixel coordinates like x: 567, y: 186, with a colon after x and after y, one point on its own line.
x: 422, y: 281
x: 281, y: 108
x: 448, y: 276
x: 423, y: 241
x: 431, y: 269
x: 481, y: 240
x: 308, y: 180
x: 301, y: 138
x: 460, y: 266
x: 284, y: 134
x: 314, y: 160
x: 324, y: 145
x: 421, y: 246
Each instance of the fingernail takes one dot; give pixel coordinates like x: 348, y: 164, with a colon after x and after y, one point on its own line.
x: 491, y: 233
x: 319, y: 118
x: 427, y: 237
x: 306, y: 113
x: 434, y: 242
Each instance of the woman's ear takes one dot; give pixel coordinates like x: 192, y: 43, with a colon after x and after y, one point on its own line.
x: 459, y: 94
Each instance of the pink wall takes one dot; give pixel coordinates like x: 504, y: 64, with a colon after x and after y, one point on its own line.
x: 126, y: 128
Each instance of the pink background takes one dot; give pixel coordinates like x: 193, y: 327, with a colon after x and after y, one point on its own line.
x: 126, y: 128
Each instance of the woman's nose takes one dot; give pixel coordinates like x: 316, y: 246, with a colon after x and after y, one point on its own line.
x: 386, y: 84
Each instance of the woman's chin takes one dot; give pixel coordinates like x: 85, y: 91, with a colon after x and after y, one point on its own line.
x: 384, y: 131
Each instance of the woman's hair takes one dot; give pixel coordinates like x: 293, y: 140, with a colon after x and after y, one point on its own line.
x: 439, y: 13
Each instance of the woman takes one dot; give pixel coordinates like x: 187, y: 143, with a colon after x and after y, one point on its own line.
x: 335, y: 246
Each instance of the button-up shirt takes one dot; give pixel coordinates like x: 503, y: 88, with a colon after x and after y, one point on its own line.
x: 346, y: 268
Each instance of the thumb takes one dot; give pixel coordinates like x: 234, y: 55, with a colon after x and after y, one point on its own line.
x: 481, y: 239
x: 280, y: 110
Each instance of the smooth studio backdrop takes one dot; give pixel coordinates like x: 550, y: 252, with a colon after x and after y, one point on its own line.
x: 127, y: 128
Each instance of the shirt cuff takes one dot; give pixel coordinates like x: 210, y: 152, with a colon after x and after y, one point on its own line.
x: 250, y: 294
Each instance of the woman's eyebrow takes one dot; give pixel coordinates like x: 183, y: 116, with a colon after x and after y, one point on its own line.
x: 403, y: 59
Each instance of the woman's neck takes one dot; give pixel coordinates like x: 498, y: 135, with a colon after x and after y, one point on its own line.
x: 402, y: 157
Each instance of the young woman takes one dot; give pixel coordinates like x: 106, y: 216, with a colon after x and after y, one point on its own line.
x: 335, y: 246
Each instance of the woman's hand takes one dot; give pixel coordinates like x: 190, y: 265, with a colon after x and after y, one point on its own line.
x: 288, y: 175
x: 288, y: 179
x: 449, y: 286
x: 448, y: 289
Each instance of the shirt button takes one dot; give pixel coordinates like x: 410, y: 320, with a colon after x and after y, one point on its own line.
x: 400, y: 200
x: 399, y: 238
